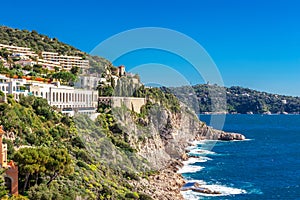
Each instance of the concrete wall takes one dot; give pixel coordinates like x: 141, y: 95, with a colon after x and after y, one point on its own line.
x: 130, y: 102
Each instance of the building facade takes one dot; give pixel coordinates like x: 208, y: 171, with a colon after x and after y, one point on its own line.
x: 57, y: 95
x: 19, y: 50
x: 11, y: 169
x: 49, y: 60
x: 16, y: 87
x: 66, y: 62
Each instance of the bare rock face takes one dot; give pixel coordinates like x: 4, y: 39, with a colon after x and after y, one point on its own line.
x: 184, y: 157
x: 165, y: 185
x: 231, y: 136
x: 162, y: 139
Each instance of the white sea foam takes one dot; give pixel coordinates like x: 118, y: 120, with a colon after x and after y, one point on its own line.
x: 195, y: 142
x: 191, y: 148
x: 198, y: 152
x: 200, y: 159
x: 244, y: 140
x: 189, y: 169
x: 224, y: 190
x: 201, y: 182
x: 190, y: 195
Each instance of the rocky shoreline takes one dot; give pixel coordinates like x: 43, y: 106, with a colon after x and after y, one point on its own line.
x: 165, y: 185
x: 164, y: 147
x: 196, y: 187
x: 168, y: 183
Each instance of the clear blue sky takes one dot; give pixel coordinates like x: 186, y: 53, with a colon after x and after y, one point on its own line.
x: 254, y: 43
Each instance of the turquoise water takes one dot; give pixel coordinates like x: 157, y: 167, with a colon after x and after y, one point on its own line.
x: 265, y: 167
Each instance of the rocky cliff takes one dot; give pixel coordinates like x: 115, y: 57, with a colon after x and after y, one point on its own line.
x: 161, y: 138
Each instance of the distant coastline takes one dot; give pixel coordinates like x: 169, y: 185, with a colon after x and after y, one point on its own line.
x: 214, y: 99
x: 226, y: 113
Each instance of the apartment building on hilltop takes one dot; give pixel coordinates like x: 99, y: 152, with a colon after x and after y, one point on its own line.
x: 19, y: 50
x: 66, y: 62
x: 49, y: 60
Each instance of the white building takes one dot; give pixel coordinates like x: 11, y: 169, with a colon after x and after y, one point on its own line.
x: 4, y: 86
x: 50, y: 60
x: 66, y: 62
x: 19, y: 50
x: 64, y: 96
x: 26, y: 62
x: 68, y: 97
x: 56, y: 95
x: 13, y: 86
x: 48, y: 64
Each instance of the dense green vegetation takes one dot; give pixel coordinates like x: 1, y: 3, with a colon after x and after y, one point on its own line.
x: 98, y: 64
x: 162, y: 96
x: 64, y: 158
x: 3, y: 191
x: 37, y: 42
x: 213, y: 98
x: 60, y: 157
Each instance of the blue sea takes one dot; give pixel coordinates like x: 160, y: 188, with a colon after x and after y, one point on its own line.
x: 266, y: 166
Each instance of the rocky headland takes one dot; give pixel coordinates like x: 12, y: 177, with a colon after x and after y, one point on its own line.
x: 163, y: 140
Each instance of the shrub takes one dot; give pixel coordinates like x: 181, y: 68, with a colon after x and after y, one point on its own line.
x: 144, y: 197
x: 132, y: 195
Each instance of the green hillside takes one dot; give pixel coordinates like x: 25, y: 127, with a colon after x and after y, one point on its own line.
x: 213, y: 98
x: 37, y: 42
x: 56, y: 163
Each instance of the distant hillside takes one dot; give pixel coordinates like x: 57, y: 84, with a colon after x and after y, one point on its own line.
x: 210, y: 98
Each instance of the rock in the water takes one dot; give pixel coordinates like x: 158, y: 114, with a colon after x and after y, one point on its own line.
x: 184, y: 157
x: 231, y: 136
x: 205, y: 191
x: 196, y: 187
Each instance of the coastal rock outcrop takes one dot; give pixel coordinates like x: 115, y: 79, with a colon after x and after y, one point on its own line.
x: 164, y: 185
x: 231, y: 136
x: 196, y: 187
x: 164, y: 139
